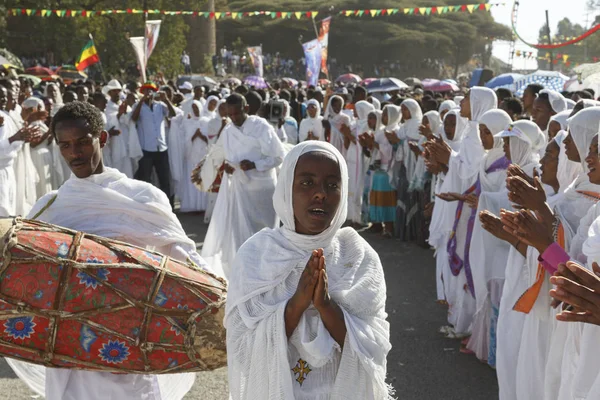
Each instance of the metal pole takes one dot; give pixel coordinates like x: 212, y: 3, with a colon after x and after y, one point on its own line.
x: 99, y: 62
x: 549, y: 42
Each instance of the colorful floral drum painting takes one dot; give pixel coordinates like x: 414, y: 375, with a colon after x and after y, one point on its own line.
x: 74, y: 300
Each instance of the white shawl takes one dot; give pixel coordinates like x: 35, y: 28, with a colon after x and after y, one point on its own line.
x: 260, y: 357
x: 309, y: 124
x: 111, y: 205
x: 337, y: 120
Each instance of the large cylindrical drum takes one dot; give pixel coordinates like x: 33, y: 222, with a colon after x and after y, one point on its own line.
x: 73, y: 300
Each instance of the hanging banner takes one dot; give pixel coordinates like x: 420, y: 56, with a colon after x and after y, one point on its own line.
x: 324, y: 41
x: 312, y: 54
x: 152, y: 31
x: 255, y: 54
x: 139, y: 47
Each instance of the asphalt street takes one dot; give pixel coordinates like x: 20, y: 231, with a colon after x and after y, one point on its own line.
x: 422, y: 365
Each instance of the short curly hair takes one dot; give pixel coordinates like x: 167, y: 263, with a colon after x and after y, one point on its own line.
x: 77, y: 110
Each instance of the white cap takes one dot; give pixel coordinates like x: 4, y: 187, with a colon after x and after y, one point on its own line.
x: 112, y: 85
x: 525, y: 130
x: 186, y: 85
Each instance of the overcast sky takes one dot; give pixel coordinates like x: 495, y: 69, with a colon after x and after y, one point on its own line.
x: 531, y: 18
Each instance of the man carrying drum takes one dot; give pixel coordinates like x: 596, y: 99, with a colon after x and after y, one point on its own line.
x: 102, y: 201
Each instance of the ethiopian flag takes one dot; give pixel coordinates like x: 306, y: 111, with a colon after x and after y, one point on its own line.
x: 88, y: 56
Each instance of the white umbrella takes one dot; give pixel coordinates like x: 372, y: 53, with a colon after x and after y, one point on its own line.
x: 548, y: 79
x: 585, y: 70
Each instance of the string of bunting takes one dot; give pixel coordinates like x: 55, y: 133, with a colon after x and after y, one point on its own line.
x: 66, y: 13
x: 569, y: 42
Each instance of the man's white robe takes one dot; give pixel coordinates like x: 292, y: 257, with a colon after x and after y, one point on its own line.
x: 114, y: 206
x: 244, y: 205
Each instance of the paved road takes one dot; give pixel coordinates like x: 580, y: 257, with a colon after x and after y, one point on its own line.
x: 422, y: 364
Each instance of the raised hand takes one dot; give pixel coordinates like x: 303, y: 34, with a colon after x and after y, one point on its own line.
x: 516, y: 171
x: 392, y: 137
x: 414, y: 148
x: 321, y: 299
x: 26, y: 134
x: 525, y: 195
x: 440, y: 151
x: 494, y: 226
x: 472, y: 200
x: 450, y: 196
x: 535, y: 232
x: 305, y: 291
x: 425, y: 131
x: 581, y: 290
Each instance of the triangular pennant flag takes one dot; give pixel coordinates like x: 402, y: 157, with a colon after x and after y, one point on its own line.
x: 314, y: 14
x: 361, y: 12
x: 463, y: 7
x: 28, y: 11
x: 378, y: 12
x: 373, y: 12
x: 408, y: 11
x: 234, y: 15
x: 428, y: 10
x: 349, y: 13
x: 422, y: 10
x: 298, y: 14
x: 218, y: 15
x: 278, y: 14
x: 470, y: 7
x: 487, y: 6
x: 211, y: 15
x: 62, y: 13
x: 284, y: 14
x: 390, y: 11
x: 308, y: 14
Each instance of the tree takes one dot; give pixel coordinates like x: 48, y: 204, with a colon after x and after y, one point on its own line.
x: 423, y: 45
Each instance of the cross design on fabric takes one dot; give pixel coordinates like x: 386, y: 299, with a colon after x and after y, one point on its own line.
x: 302, y: 370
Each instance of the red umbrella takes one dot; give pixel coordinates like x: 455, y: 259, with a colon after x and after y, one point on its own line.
x: 45, y: 73
x: 367, y: 81
x: 348, y: 78
x: 439, y: 86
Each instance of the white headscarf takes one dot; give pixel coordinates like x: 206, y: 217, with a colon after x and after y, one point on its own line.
x: 282, y: 198
x: 376, y: 103
x: 329, y: 113
x: 583, y: 127
x: 57, y: 98
x: 378, y: 125
x: 210, y: 114
x: 561, y: 118
x: 33, y: 102
x: 570, y: 104
x: 394, y: 115
x: 587, y: 103
x: 567, y: 170
x: 447, y: 105
x: 435, y: 122
x: 309, y: 124
x: 557, y: 100
x: 524, y: 137
x: 482, y: 100
x: 496, y: 121
x: 363, y: 108
x: 411, y: 126
x: 458, y: 134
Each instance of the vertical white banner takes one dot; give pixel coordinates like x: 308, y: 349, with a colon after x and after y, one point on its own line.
x: 152, y: 31
x: 138, y: 44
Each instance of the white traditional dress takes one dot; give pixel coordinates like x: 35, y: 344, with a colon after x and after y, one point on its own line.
x: 8, y: 155
x: 314, y: 125
x: 263, y: 363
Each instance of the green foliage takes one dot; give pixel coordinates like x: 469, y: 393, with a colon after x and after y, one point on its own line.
x: 451, y: 39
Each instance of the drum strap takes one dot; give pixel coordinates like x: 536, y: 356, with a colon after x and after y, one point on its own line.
x: 47, y: 206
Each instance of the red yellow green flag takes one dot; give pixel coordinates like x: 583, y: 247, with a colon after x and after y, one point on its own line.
x: 88, y: 56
